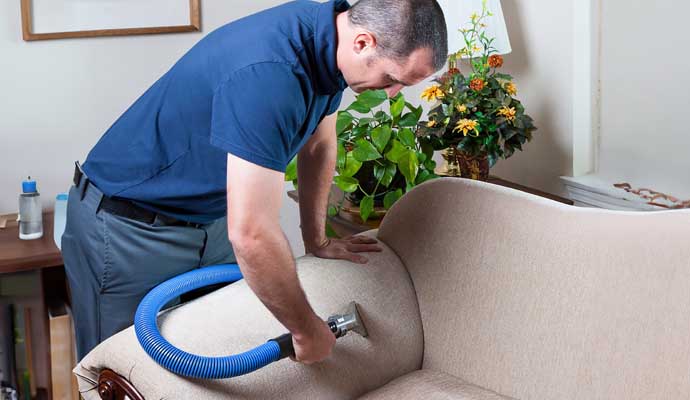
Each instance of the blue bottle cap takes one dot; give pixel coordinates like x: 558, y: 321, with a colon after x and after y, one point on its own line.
x: 29, y: 186
x: 62, y: 197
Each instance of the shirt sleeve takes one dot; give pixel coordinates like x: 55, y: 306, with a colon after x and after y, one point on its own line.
x: 335, y: 103
x: 257, y: 113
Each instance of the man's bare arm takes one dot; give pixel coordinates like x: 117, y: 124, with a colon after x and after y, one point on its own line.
x: 264, y: 255
x: 315, y: 168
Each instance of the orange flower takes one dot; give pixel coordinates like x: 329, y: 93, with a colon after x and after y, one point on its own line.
x: 453, y: 71
x: 467, y: 126
x: 432, y: 93
x: 495, y: 61
x: 510, y: 88
x: 507, y: 112
x: 477, y: 84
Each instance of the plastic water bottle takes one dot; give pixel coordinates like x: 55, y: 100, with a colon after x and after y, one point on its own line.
x: 60, y: 218
x: 30, y: 211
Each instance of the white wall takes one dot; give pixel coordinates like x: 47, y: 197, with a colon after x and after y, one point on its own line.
x: 644, y: 102
x: 541, y: 34
x: 58, y: 97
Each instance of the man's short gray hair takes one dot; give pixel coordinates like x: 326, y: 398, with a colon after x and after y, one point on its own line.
x: 403, y: 26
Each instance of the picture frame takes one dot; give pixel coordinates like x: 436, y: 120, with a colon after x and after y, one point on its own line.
x: 28, y: 33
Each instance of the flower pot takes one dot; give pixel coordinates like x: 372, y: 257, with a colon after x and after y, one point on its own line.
x: 462, y: 164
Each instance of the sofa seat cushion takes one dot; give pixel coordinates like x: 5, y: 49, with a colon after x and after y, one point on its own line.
x: 431, y: 385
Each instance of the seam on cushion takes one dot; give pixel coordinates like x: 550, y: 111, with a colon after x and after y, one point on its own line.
x: 416, y: 297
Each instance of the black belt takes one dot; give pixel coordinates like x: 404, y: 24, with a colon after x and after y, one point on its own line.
x: 127, y: 209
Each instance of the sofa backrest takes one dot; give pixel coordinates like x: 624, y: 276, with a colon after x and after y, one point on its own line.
x: 539, y: 300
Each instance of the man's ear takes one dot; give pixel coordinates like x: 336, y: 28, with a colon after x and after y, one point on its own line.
x: 364, y: 41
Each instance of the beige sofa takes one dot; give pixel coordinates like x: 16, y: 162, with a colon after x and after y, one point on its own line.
x: 481, y: 292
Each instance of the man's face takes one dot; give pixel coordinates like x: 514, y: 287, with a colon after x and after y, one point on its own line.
x: 367, y: 70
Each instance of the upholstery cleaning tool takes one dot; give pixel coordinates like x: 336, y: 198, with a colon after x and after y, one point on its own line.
x: 194, y: 366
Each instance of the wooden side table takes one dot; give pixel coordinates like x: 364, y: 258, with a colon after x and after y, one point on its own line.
x: 42, y: 260
x: 345, y: 224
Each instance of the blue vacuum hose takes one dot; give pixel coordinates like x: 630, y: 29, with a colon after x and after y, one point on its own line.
x: 193, y: 366
x: 190, y: 365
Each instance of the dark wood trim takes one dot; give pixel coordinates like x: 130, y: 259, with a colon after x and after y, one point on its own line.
x: 112, y: 386
x: 28, y: 35
x: 502, y: 182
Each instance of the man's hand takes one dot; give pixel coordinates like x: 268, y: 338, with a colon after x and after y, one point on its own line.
x: 347, y: 248
x: 314, y: 346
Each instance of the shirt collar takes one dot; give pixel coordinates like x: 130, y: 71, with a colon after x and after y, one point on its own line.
x: 329, y: 79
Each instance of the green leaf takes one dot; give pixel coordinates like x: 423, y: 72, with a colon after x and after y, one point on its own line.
x: 366, y: 207
x: 409, y: 120
x: 332, y: 210
x: 365, y: 151
x: 423, y: 176
x: 380, y: 136
x: 427, y: 148
x: 397, y: 106
x: 352, y: 165
x: 330, y: 232
x: 391, y: 198
x: 291, y: 170
x: 396, y: 151
x: 345, y: 183
x: 372, y: 98
x: 409, y: 165
x: 359, y: 107
x: 364, y: 122
x: 341, y: 160
x: 343, y: 122
x: 407, y: 137
x: 390, y: 170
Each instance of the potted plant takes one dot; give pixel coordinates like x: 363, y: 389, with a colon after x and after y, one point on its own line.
x: 477, y: 117
x: 380, y: 156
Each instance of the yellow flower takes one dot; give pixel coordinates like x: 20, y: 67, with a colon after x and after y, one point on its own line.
x: 432, y: 93
x: 467, y: 126
x: 476, y: 49
x: 431, y: 124
x: 508, y: 113
x: 510, y: 88
x: 461, y: 108
x: 474, y: 16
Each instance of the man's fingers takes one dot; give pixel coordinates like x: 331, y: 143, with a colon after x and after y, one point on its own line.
x: 362, y: 239
x: 362, y: 248
x: 357, y: 258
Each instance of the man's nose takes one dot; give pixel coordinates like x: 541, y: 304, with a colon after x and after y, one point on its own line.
x: 393, y: 90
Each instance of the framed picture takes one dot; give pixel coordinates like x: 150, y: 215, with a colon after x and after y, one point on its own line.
x: 62, y: 19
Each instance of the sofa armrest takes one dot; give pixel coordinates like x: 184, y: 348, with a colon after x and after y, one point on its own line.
x: 232, y: 320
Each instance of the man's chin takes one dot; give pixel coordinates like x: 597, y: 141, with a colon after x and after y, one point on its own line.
x: 360, y: 89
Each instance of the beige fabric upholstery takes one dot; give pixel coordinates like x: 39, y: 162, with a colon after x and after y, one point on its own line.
x: 518, y: 294
x: 431, y: 385
x: 538, y: 300
x: 232, y: 320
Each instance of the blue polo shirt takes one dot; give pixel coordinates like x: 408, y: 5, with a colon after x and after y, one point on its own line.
x: 256, y: 88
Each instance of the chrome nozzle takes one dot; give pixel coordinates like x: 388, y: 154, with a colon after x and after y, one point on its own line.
x: 349, y: 321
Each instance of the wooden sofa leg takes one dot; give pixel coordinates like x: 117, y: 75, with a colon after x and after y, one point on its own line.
x: 112, y: 386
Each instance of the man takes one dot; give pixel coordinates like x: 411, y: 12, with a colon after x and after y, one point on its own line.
x: 200, y: 158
